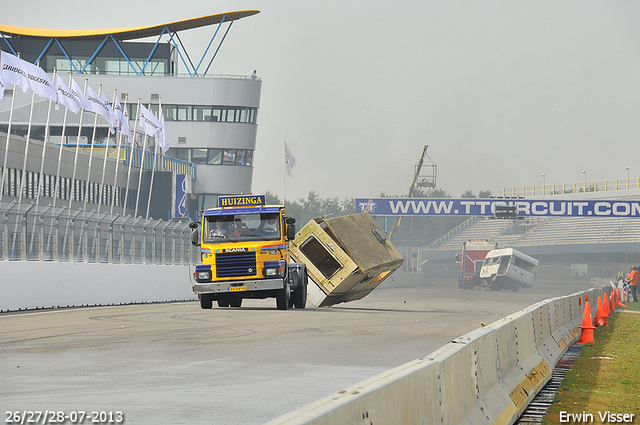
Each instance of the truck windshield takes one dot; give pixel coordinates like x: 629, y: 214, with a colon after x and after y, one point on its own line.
x: 241, y: 227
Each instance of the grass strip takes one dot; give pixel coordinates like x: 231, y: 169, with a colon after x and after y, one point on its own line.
x: 605, y: 379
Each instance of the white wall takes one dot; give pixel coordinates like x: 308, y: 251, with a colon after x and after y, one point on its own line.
x: 45, y: 284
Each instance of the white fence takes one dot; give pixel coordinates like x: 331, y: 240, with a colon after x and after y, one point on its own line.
x: 27, y: 285
x: 42, y: 233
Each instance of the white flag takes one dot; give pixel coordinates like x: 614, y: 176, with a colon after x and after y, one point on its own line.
x: 123, y: 119
x: 97, y: 105
x: 289, y: 160
x: 2, y: 86
x: 13, y: 72
x: 112, y: 118
x: 27, y: 76
x: 163, y: 141
x: 149, y: 122
x: 77, y: 92
x: 66, y: 96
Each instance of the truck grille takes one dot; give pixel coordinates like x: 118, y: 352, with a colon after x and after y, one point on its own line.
x: 234, y: 264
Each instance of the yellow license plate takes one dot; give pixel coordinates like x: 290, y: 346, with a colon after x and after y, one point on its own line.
x: 237, y: 288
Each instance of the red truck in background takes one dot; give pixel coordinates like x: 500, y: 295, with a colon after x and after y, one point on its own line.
x: 471, y: 259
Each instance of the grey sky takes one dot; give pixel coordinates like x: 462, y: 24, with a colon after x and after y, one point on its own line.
x: 501, y: 91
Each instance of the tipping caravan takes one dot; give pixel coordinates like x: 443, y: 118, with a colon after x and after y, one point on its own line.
x: 508, y: 269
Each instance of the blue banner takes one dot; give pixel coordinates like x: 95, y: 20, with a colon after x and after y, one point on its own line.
x: 183, y: 190
x: 487, y: 207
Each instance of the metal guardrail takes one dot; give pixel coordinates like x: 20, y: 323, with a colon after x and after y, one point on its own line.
x: 570, y: 188
x: 43, y: 233
x: 140, y: 158
x: 452, y: 233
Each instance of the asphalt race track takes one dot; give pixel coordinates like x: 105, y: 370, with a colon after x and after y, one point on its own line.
x: 175, y: 363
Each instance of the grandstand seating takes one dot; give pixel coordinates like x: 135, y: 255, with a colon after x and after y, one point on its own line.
x: 545, y: 231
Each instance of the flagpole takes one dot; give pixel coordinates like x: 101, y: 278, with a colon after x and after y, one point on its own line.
x: 144, y: 146
x: 6, y: 145
x: 93, y: 139
x: 284, y: 165
x: 26, y: 149
x: 44, y: 146
x: 104, y: 162
x: 132, y: 143
x: 155, y: 156
x: 64, y: 128
x: 115, y: 178
x: 153, y: 170
x: 75, y: 159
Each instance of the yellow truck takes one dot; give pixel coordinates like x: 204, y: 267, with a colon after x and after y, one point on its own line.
x: 244, y: 247
x: 251, y: 250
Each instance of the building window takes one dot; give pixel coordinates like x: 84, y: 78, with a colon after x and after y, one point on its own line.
x: 241, y: 157
x: 184, y: 113
x: 199, y: 156
x: 201, y: 113
x: 229, y: 157
x: 215, y: 156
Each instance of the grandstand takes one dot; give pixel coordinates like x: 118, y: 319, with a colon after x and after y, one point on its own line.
x: 553, y: 240
x: 545, y: 231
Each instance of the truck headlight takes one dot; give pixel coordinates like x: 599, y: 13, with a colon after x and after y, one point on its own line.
x: 274, y: 268
x: 204, y: 275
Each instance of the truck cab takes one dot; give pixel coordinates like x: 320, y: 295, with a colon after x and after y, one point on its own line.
x: 244, y: 248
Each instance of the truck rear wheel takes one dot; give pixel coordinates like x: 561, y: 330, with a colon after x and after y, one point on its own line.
x: 235, y: 302
x: 223, y: 302
x: 282, y: 296
x: 300, y: 294
x: 206, y: 301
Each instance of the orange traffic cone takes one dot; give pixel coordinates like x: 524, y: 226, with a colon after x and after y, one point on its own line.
x: 605, y: 305
x: 612, y: 302
x: 601, y: 318
x: 586, y: 335
x: 619, y: 299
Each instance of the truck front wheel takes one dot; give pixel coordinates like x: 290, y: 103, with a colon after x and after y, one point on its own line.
x: 283, y: 296
x: 206, y: 301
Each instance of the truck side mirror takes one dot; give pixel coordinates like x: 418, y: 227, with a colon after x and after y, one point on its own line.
x: 458, y: 258
x: 291, y: 228
x: 195, y: 233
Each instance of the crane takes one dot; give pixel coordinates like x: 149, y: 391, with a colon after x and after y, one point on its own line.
x: 426, y: 179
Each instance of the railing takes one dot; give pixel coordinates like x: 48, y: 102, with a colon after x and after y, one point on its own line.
x: 453, y: 232
x: 138, y: 157
x: 570, y: 188
x: 43, y: 233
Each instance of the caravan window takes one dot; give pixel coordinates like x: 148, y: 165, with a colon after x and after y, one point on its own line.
x: 524, y: 264
x: 320, y: 257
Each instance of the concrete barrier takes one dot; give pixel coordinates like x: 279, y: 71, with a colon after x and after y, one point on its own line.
x: 45, y: 284
x: 489, y: 375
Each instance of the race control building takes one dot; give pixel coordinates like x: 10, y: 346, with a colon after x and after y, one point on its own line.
x: 211, y: 120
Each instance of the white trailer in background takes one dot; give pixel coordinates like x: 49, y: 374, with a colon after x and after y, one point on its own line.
x: 508, y: 269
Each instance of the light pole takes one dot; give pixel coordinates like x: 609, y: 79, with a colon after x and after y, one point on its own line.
x: 584, y: 172
x: 543, y: 184
x: 627, y: 168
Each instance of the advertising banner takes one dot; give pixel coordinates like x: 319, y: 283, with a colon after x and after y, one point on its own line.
x: 487, y: 207
x: 183, y: 190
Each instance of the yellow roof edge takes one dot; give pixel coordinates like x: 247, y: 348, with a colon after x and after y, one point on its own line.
x: 127, y: 33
